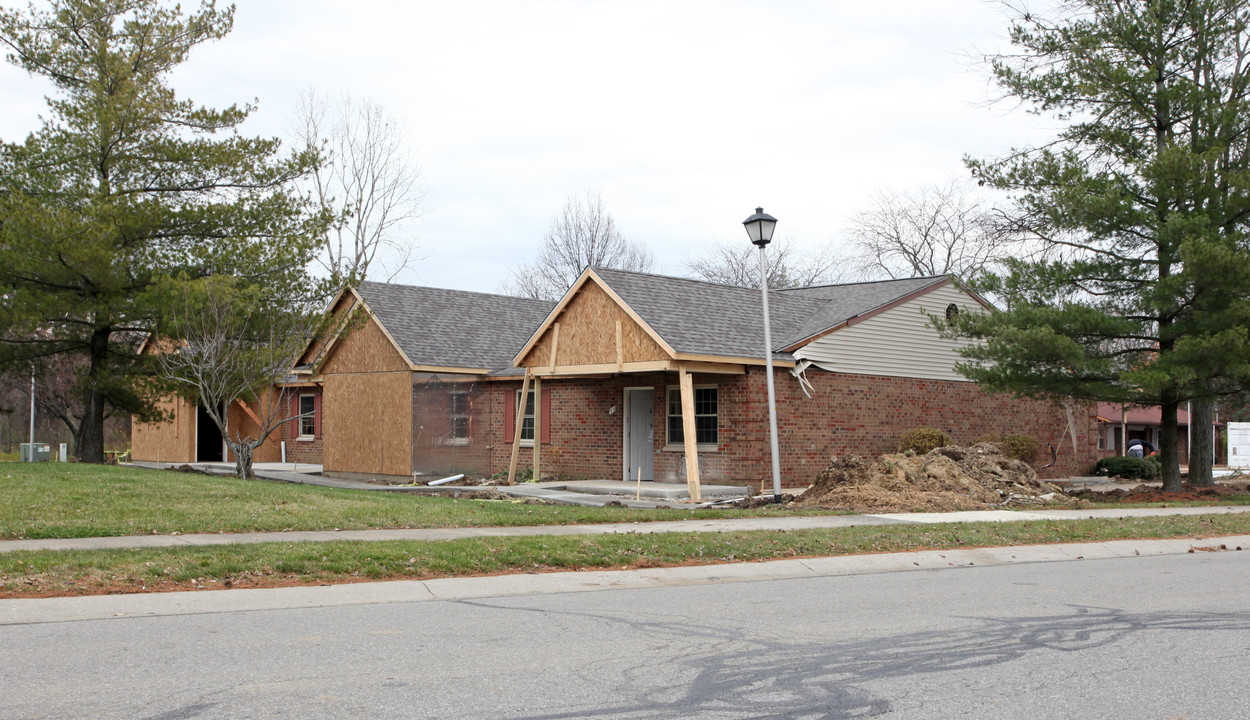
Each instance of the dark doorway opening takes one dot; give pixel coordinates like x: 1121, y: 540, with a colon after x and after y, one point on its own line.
x: 208, y: 441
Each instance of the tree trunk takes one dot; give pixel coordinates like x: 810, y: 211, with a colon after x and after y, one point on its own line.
x: 90, y: 446
x: 1171, y: 471
x: 1201, y: 455
x: 242, y: 458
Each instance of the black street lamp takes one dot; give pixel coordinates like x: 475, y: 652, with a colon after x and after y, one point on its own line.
x: 760, y: 229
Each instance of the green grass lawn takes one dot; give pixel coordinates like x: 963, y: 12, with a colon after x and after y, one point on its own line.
x: 77, y: 500
x: 48, y: 573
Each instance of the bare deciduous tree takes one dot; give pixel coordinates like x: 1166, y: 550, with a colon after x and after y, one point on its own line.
x: 739, y: 264
x: 59, y: 395
x: 228, y: 345
x: 582, y: 235
x: 366, y: 179
x: 941, y: 230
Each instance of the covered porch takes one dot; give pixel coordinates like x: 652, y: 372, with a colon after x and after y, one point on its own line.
x: 651, y: 404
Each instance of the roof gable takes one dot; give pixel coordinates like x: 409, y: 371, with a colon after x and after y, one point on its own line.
x: 592, y: 326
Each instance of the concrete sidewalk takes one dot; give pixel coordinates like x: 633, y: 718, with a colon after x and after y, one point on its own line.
x: 802, y: 522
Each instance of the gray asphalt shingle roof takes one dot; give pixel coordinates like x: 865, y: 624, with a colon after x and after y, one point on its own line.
x: 455, y: 328
x: 702, y: 318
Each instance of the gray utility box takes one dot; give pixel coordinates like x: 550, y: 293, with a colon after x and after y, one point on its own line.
x: 35, y: 452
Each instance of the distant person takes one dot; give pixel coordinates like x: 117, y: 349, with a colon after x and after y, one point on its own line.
x: 1136, y: 448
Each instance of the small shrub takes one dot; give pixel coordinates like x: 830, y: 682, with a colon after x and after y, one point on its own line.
x: 922, y: 440
x: 1020, y: 447
x: 1130, y: 468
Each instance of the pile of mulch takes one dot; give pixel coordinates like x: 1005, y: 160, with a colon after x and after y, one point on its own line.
x: 946, y: 479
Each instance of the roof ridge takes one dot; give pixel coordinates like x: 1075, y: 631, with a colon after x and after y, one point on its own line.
x: 683, y: 278
x: 864, y: 282
x: 501, y: 296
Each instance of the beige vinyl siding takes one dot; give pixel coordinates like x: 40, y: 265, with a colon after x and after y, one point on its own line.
x: 897, y: 342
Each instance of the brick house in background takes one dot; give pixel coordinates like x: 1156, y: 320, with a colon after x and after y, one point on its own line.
x: 1118, y: 423
x: 425, y: 380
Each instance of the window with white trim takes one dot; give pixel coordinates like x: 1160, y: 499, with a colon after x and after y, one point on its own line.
x: 458, y: 418
x: 307, y: 417
x: 706, y: 416
x: 527, y: 422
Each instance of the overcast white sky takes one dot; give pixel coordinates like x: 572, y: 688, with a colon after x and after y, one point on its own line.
x: 683, y: 115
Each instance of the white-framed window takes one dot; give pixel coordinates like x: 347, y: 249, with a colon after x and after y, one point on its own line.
x: 706, y: 417
x: 458, y: 411
x: 527, y: 421
x: 307, y: 417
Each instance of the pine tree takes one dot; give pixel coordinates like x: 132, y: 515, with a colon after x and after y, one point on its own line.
x: 1146, y: 194
x: 125, y: 185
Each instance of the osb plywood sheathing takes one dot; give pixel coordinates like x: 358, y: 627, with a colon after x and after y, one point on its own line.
x: 346, y: 314
x: 594, y: 330
x: 364, y: 349
x: 367, y: 423
x: 172, y: 441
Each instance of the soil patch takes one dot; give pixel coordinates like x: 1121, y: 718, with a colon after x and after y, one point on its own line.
x: 1155, y: 494
x: 945, y: 479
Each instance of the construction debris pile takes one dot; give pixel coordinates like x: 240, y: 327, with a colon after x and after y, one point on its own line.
x: 945, y: 479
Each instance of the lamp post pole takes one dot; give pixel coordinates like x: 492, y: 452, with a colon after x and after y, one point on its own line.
x: 760, y: 229
x: 31, y: 451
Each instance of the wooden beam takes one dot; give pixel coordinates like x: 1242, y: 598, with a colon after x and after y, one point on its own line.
x: 249, y: 412
x: 516, y: 430
x: 538, y: 426
x: 688, y: 431
x: 620, y: 348
x: 641, y: 367
x: 684, y: 357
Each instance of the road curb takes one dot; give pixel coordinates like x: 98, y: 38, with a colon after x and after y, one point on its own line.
x: 72, y: 609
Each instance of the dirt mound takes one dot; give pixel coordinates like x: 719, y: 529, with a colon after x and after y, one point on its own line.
x: 948, y: 478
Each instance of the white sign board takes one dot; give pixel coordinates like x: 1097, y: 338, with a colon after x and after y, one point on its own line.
x: 1238, y: 446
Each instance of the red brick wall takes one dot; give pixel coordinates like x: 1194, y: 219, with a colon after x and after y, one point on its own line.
x: 865, y: 414
x: 301, y: 451
x: 586, y: 426
x: 435, y: 449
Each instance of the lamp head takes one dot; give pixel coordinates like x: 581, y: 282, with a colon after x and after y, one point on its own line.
x: 760, y: 227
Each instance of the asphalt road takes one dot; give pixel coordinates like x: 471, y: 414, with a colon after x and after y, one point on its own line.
x: 1142, y: 637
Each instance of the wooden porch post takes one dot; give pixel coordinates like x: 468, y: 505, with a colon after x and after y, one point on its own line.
x: 516, y: 429
x: 538, y: 425
x: 688, y: 432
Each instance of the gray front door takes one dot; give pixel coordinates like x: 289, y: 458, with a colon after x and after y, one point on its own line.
x: 640, y: 440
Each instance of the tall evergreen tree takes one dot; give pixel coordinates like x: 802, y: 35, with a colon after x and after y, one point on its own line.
x: 125, y: 185
x: 1144, y: 192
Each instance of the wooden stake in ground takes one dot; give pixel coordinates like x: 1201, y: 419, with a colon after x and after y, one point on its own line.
x: 538, y: 426
x: 516, y: 429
